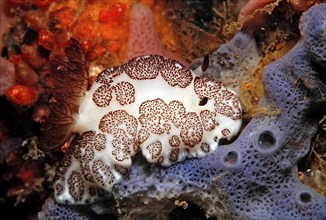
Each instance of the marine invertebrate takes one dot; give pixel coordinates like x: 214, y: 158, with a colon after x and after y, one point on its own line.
x: 143, y: 38
x: 151, y: 104
x: 22, y: 95
x: 233, y: 61
x: 29, y: 35
x: 256, y: 176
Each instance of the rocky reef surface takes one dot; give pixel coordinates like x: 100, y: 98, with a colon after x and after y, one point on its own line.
x: 256, y: 176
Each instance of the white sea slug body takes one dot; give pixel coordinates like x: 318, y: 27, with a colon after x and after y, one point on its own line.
x: 153, y: 105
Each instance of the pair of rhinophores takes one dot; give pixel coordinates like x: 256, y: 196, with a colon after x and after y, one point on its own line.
x: 151, y: 104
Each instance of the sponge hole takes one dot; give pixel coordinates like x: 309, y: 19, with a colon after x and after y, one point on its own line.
x: 266, y: 140
x: 305, y: 197
x: 232, y: 158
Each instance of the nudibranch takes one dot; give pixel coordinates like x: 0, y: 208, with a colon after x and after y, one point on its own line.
x: 151, y: 104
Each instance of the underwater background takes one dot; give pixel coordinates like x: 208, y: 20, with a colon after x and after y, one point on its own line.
x: 272, y: 54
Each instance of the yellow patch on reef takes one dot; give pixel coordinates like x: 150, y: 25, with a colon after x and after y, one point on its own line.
x: 251, y: 91
x: 181, y: 203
